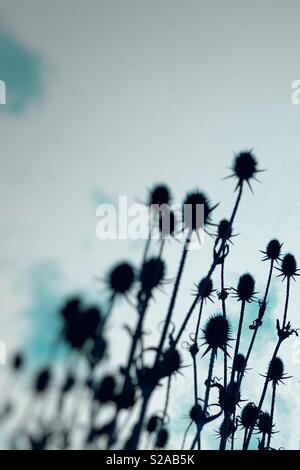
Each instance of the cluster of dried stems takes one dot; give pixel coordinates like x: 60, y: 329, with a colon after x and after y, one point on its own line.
x: 125, y: 396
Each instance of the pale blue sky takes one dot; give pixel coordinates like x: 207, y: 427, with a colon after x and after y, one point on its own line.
x: 119, y: 94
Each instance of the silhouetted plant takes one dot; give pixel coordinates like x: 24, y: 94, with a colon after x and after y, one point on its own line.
x: 119, y: 399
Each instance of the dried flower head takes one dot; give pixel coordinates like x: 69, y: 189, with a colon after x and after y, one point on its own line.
x: 152, y: 274
x: 224, y: 230
x: 121, y: 278
x: 276, y: 371
x: 227, y: 428
x: 196, y: 414
x: 249, y: 415
x: 245, y: 288
x: 273, y: 250
x: 264, y: 423
x: 239, y: 363
x: 245, y: 168
x: 288, y: 267
x: 170, y: 363
x: 216, y: 333
x: 204, y: 289
x: 159, y: 195
x: 196, y: 211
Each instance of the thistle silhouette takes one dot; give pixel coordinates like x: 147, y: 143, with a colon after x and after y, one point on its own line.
x: 119, y: 398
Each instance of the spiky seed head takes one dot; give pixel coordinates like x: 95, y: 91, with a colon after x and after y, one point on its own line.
x: 196, y: 211
x: 245, y: 166
x: 289, y: 266
x: 224, y: 230
x: 276, y: 370
x: 121, y: 278
x: 217, y: 332
x: 245, y: 288
x: 196, y: 414
x: 159, y: 195
x: 273, y: 250
x: 264, y: 423
x: 152, y: 274
x: 170, y: 363
x: 205, y: 287
x: 249, y: 415
x: 239, y: 363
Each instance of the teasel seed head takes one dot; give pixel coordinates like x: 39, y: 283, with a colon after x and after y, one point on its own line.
x: 152, y: 274
x: 249, y: 415
x: 276, y: 372
x: 159, y: 195
x: 288, y: 267
x: 273, y: 250
x: 264, y: 423
x: 239, y: 363
x: 216, y: 333
x: 245, y: 288
x: 121, y: 279
x: 193, y: 217
x: 196, y: 414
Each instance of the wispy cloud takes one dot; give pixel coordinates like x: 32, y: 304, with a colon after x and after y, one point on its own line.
x: 22, y: 71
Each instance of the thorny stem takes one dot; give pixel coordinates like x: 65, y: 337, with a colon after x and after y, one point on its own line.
x: 264, y: 391
x: 206, y: 398
x: 224, y: 314
x: 167, y: 399
x: 148, y: 241
x: 199, y: 320
x: 245, y: 437
x: 237, y: 345
x: 280, y: 340
x: 286, y: 306
x: 258, y: 324
x: 238, y: 338
x: 196, y: 396
x: 237, y: 202
x: 174, y: 296
x: 146, y: 398
x: 272, y: 412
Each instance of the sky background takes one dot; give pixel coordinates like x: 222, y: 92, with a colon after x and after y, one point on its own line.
x: 107, y: 98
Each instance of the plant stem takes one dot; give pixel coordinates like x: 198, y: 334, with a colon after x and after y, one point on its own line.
x: 288, y: 284
x: 207, y: 391
x: 237, y: 202
x: 264, y: 391
x: 224, y: 315
x: 146, y: 398
x: 167, y: 399
x: 174, y: 296
x: 238, y: 338
x: 272, y: 412
x: 196, y: 396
